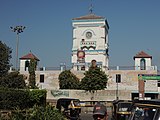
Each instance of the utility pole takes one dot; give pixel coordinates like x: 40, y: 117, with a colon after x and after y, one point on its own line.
x: 118, y: 80
x: 17, y: 30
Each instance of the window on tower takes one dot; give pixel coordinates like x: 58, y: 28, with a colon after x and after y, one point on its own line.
x: 26, y: 65
x: 143, y: 64
x: 83, y: 40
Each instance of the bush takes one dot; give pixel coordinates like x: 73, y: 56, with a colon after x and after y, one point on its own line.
x: 10, y: 99
x: 38, y: 113
x: 37, y: 97
x: 13, y: 80
x: 22, y: 99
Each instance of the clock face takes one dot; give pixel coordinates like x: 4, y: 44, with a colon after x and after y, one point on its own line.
x: 88, y: 35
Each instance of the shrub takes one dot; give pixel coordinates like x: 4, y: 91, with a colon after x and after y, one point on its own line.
x: 38, y: 113
x: 22, y: 99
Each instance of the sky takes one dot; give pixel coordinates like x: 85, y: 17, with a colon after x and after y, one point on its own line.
x: 134, y: 27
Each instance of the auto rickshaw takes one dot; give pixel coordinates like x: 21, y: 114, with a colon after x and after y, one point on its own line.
x: 145, y: 110
x: 121, y: 109
x: 70, y: 107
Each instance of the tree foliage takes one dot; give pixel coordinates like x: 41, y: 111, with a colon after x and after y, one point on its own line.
x: 5, y: 56
x: 67, y: 80
x: 94, y: 79
x: 32, y: 75
x: 13, y: 80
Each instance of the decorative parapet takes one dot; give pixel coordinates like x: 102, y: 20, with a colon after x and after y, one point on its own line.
x: 61, y: 68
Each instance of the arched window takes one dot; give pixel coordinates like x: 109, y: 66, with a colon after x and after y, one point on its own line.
x: 143, y: 64
x: 26, y: 65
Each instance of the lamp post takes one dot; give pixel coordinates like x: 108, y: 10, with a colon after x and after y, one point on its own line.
x: 17, y: 30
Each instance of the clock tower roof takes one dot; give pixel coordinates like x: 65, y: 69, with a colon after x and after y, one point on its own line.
x: 89, y: 16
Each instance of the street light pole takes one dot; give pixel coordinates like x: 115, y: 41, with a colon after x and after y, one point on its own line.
x: 18, y: 30
x: 118, y: 80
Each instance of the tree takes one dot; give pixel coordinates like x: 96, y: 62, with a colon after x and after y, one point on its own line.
x: 94, y: 79
x: 5, y: 56
x: 13, y: 80
x: 32, y: 75
x: 67, y: 80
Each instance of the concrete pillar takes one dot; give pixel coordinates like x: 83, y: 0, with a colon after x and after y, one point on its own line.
x: 117, y: 67
x: 141, y: 87
x: 44, y: 68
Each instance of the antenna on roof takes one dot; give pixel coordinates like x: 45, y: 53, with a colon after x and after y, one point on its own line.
x: 91, y: 8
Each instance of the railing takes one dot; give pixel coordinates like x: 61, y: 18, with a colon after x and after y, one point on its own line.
x: 54, y: 68
x: 132, y: 68
x: 121, y: 67
x: 61, y: 68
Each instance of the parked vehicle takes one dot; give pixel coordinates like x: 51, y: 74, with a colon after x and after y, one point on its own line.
x: 70, y: 107
x: 121, y: 109
x: 145, y: 110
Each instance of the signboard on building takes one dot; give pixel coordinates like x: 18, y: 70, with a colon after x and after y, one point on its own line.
x: 81, y: 54
x: 148, y: 77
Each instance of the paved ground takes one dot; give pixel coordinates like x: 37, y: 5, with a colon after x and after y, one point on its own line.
x: 88, y: 116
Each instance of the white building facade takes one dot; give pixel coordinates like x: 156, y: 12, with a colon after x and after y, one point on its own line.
x: 90, y: 42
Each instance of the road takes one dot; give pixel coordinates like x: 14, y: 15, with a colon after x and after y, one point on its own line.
x: 88, y: 116
x: 85, y: 116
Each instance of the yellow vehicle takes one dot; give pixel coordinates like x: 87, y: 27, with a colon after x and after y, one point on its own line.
x: 121, y: 110
x: 145, y: 110
x: 70, y: 107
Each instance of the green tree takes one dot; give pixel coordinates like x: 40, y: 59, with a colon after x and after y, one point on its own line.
x: 32, y: 75
x: 5, y: 56
x: 95, y: 79
x: 8, y: 79
x: 13, y: 80
x: 67, y: 80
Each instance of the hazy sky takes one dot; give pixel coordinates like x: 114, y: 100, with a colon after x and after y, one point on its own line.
x: 134, y: 26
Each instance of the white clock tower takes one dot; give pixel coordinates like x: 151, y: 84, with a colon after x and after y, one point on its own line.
x: 90, y: 42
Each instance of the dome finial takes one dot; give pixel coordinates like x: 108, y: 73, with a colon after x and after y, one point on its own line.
x: 91, y: 8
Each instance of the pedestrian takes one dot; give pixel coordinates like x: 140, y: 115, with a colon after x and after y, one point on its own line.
x: 100, y: 112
